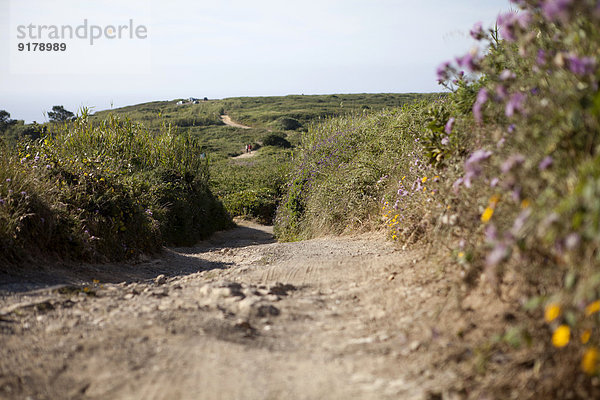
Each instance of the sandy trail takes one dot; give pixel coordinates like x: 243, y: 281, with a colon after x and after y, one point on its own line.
x: 227, y: 121
x: 239, y: 317
x: 246, y: 155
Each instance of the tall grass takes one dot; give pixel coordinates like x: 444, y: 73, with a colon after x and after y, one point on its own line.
x: 342, y: 169
x: 105, y: 191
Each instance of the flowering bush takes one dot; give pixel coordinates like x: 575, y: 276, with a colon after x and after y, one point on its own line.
x: 507, y: 167
x: 535, y: 151
x: 343, y: 170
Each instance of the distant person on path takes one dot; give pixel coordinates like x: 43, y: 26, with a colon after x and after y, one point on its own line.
x: 246, y: 148
x: 250, y: 148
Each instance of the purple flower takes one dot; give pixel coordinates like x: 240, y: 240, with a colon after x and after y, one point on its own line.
x: 442, y: 72
x: 519, y: 222
x: 510, y: 21
x: 482, y: 98
x: 445, y: 141
x: 541, y: 57
x: 36, y: 158
x: 468, y: 61
x: 501, y: 92
x: 581, y: 66
x: 545, y: 163
x: 472, y: 166
x: 497, y: 255
x: 478, y: 156
x: 449, y: 126
x: 507, y: 74
x: 477, y: 32
x: 491, y: 233
x: 23, y: 193
x: 511, y: 162
x: 515, y: 104
x: 23, y: 160
x: 516, y: 194
x: 456, y: 184
x: 2, y: 201
x: 556, y: 9
x: 494, y: 182
x: 8, y: 180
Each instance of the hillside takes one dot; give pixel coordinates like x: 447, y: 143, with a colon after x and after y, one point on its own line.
x: 252, y: 187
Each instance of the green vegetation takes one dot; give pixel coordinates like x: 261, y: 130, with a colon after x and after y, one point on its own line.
x: 106, y: 191
x: 119, y: 183
x: 252, y: 187
x: 505, y: 171
x: 299, y: 111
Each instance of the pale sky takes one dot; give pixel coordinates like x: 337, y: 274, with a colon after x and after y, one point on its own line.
x: 227, y: 48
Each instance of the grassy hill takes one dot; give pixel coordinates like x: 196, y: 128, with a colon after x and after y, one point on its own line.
x: 253, y: 186
x: 280, y: 115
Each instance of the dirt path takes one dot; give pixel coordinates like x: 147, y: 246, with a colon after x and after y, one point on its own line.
x: 227, y: 121
x: 246, y: 155
x: 242, y: 317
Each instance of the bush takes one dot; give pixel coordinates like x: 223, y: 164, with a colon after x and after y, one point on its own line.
x: 535, y: 161
x: 505, y: 170
x: 342, y: 169
x: 104, y: 192
x: 288, y: 124
x: 276, y: 140
x: 252, y: 188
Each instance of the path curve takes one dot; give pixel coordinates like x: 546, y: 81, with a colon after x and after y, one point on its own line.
x: 227, y: 121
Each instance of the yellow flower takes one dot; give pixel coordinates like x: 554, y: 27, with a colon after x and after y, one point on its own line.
x: 404, y: 177
x: 561, y: 336
x: 592, y: 308
x: 552, y: 312
x: 424, y: 179
x: 525, y: 203
x: 589, y: 362
x: 585, y: 336
x: 487, y: 215
x: 461, y: 254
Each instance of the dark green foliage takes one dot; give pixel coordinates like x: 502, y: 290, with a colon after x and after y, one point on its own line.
x: 60, y: 114
x: 288, y: 124
x: 5, y: 120
x: 277, y: 141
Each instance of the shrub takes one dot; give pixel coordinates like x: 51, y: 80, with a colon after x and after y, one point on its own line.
x: 506, y: 168
x: 276, y: 140
x: 106, y: 191
x: 342, y: 169
x: 288, y: 124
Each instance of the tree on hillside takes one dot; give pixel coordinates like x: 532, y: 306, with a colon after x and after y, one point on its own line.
x: 5, y: 120
x: 59, y: 114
